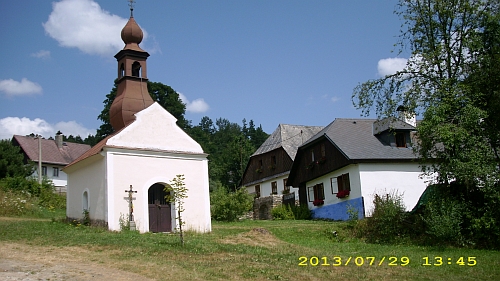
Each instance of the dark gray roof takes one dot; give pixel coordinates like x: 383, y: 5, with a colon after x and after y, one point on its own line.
x: 356, y: 140
x: 290, y: 137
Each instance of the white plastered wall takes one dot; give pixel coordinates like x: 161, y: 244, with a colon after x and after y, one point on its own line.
x: 266, y: 187
x: 142, y: 169
x: 402, y: 178
x: 90, y: 177
x: 331, y: 198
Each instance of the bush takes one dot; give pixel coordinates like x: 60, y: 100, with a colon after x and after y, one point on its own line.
x: 282, y: 212
x: 230, y: 206
x: 301, y: 212
x: 443, y: 219
x: 27, y: 191
x: 387, y: 222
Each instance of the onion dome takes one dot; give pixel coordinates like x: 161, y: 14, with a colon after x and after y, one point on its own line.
x: 132, y: 35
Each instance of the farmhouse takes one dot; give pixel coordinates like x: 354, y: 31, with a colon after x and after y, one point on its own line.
x: 343, y: 166
x: 56, y: 154
x: 146, y: 152
x: 267, y: 171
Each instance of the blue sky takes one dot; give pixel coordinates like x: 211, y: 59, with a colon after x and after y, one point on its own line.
x: 273, y: 61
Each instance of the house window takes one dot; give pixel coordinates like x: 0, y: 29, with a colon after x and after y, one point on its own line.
x: 312, y: 155
x: 273, y: 163
x: 319, y: 192
x: 316, y: 192
x: 323, y: 151
x: 400, y: 139
x: 340, y: 183
x: 285, y: 187
x: 257, y: 191
x: 56, y: 172
x: 274, y: 187
x: 44, y: 170
x: 260, y: 164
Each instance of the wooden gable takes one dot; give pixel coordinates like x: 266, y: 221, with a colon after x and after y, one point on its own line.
x: 314, y: 160
x: 266, y: 165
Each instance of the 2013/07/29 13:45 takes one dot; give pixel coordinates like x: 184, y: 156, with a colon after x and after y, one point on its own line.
x: 389, y: 261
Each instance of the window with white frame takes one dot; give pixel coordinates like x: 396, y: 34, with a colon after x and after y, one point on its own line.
x: 56, y: 172
x: 44, y: 170
x: 286, y: 188
x: 274, y: 187
x: 316, y: 192
x: 340, y: 183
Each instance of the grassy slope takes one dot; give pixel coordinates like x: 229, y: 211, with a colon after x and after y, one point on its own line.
x: 256, y: 250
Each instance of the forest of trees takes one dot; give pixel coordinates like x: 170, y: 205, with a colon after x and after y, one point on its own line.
x: 228, y: 144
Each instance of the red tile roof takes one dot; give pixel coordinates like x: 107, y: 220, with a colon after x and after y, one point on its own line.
x: 50, y: 152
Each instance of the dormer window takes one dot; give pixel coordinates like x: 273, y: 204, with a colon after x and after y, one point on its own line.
x: 400, y: 139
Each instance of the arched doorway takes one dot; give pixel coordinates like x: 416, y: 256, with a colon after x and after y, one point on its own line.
x: 160, y: 216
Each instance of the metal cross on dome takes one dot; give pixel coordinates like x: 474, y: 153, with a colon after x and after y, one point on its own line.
x: 131, y: 5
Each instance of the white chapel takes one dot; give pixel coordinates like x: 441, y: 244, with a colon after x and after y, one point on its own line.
x: 146, y: 151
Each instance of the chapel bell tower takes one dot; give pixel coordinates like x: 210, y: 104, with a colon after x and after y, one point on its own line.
x: 132, y: 90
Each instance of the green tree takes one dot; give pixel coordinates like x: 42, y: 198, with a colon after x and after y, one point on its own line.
x: 176, y: 193
x: 12, y: 161
x: 228, y: 205
x: 452, y: 80
x: 454, y: 50
x: 167, y: 97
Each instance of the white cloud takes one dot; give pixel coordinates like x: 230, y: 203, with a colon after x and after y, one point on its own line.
x: 10, y: 126
x: 195, y: 106
x: 390, y: 66
x: 42, y: 54
x: 335, y: 99
x: 84, y: 25
x: 14, y: 88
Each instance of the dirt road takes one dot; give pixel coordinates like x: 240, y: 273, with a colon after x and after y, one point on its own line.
x: 22, y: 262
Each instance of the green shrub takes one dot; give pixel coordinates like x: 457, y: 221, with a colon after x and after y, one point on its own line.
x: 25, y: 195
x: 443, y: 219
x: 282, y: 212
x: 301, y: 212
x: 387, y: 222
x: 230, y: 206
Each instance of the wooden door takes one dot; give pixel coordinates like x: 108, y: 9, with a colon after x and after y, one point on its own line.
x: 160, y: 216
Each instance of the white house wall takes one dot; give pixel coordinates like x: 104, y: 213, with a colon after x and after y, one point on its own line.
x: 354, y: 199
x: 403, y: 178
x: 142, y: 169
x: 266, y: 188
x: 90, y: 177
x: 59, y: 182
x: 366, y: 180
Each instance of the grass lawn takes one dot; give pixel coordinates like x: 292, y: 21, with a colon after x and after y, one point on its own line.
x: 256, y: 250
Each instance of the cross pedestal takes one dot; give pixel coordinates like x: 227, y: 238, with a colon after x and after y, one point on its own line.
x: 131, y: 208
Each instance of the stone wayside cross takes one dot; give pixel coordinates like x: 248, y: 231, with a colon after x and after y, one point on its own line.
x: 131, y: 207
